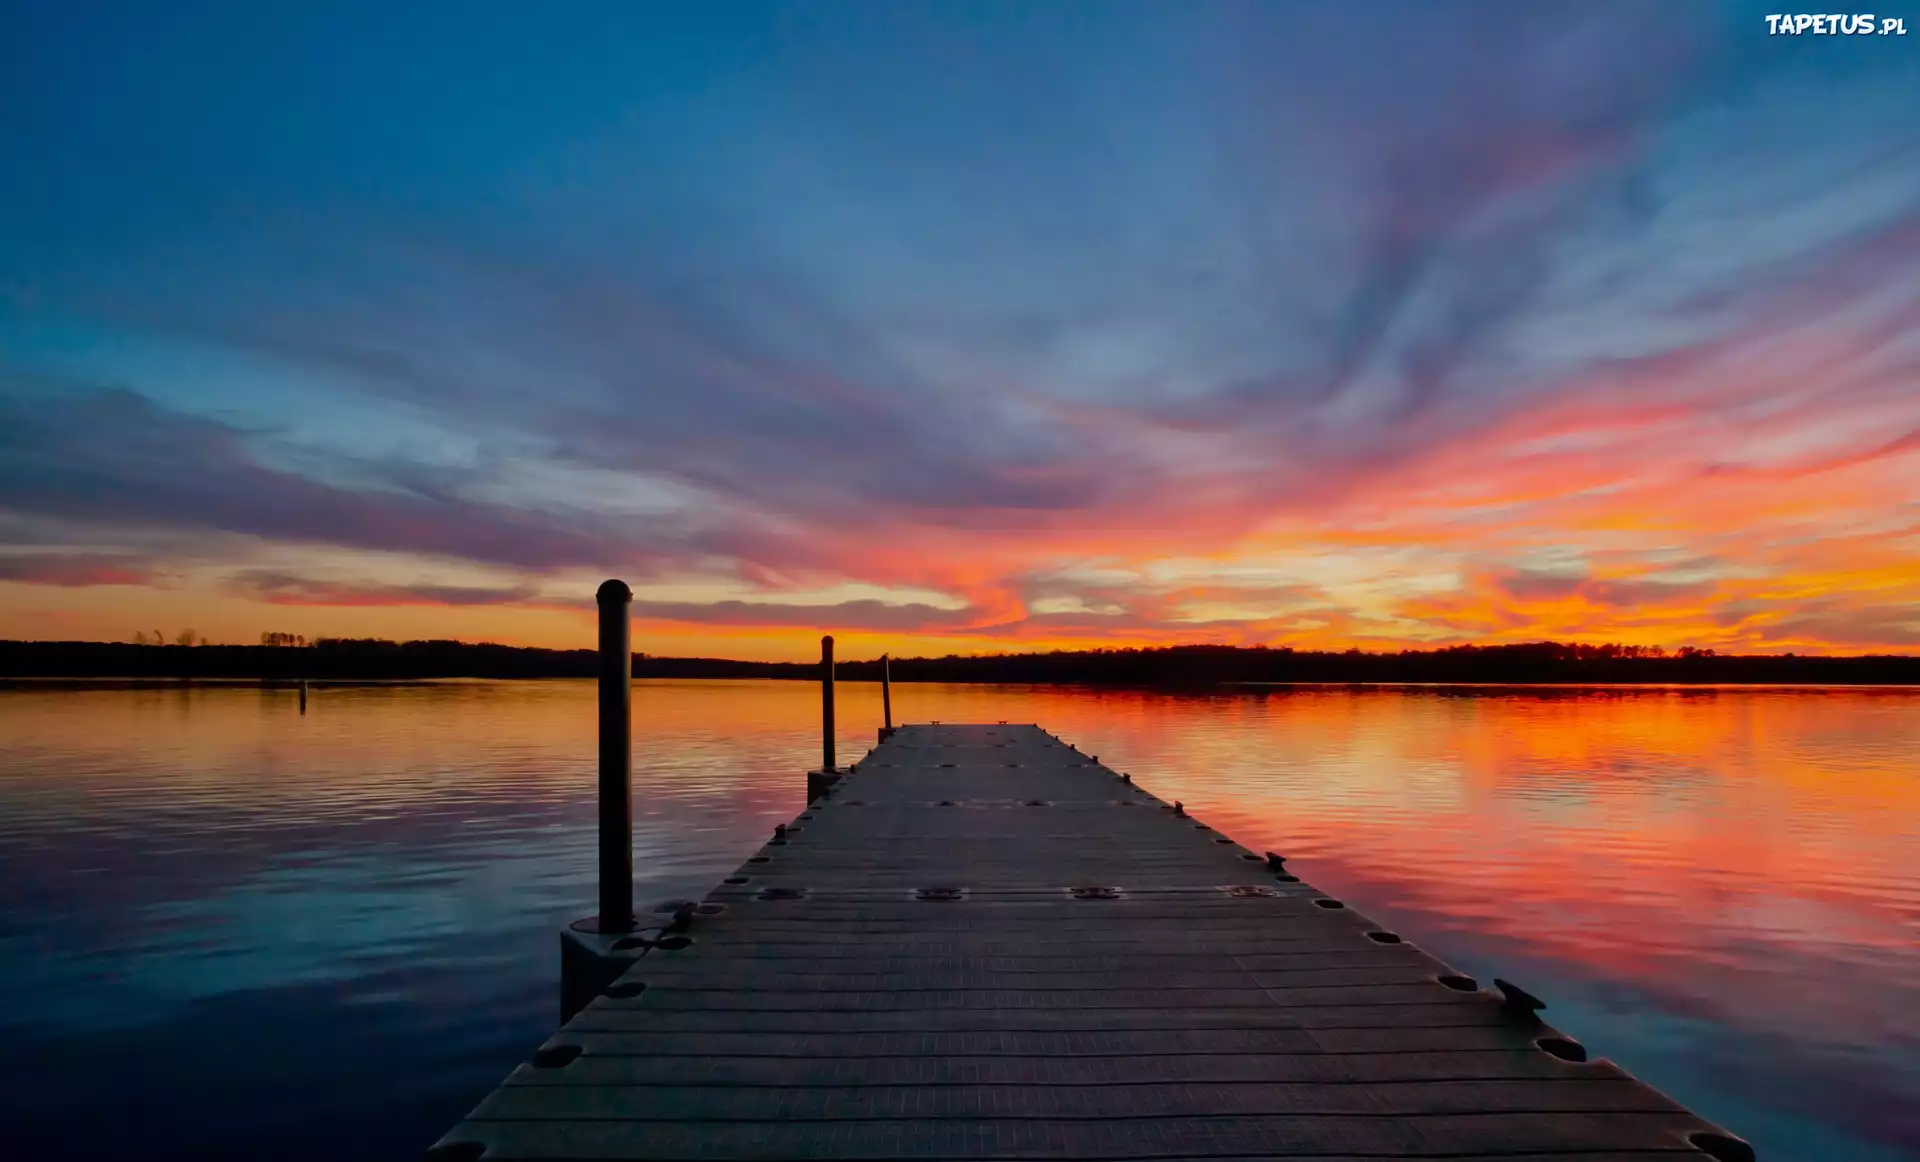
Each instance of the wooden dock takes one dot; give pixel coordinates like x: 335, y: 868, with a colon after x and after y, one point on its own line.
x: 984, y: 944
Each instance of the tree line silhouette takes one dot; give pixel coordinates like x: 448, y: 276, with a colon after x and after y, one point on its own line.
x: 372, y: 659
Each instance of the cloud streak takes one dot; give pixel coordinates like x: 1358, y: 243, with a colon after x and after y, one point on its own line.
x: 116, y: 458
x: 276, y: 588
x: 78, y: 570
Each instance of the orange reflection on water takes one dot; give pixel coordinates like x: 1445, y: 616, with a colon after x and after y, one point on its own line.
x: 1645, y: 812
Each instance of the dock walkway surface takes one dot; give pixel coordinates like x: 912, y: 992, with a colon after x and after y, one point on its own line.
x: 984, y: 944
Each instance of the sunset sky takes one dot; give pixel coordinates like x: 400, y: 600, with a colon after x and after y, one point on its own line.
x: 960, y: 327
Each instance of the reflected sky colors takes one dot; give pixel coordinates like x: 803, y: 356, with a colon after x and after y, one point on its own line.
x: 325, y: 936
x: 960, y: 327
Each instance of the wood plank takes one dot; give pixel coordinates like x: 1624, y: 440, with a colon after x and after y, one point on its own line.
x: 1080, y: 1068
x: 1269, y: 1136
x: 617, y: 1015
x: 935, y: 975
x: 668, y: 1102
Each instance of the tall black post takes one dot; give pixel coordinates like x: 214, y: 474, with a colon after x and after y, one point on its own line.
x: 886, y: 696
x: 826, y: 703
x: 616, y: 757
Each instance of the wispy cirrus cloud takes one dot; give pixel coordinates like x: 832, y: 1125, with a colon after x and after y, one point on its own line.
x: 276, y: 588
x: 114, y: 457
x: 79, y: 570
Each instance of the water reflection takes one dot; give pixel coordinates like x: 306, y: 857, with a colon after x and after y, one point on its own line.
x: 261, y: 933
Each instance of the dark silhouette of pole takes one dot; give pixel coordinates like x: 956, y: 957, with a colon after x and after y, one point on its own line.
x: 826, y: 703
x: 886, y: 691
x: 616, y: 757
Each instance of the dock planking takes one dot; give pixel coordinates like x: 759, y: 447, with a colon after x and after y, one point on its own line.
x: 984, y: 944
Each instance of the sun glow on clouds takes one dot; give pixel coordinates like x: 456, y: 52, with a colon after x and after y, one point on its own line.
x: 1378, y: 332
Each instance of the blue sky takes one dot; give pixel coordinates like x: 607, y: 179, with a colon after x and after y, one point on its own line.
x: 993, y: 325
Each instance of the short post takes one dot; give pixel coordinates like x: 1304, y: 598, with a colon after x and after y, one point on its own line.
x: 616, y: 757
x: 886, y: 697
x: 821, y: 781
x: 826, y: 703
x: 303, y: 695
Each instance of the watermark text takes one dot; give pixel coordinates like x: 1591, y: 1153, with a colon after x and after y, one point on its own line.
x: 1836, y: 24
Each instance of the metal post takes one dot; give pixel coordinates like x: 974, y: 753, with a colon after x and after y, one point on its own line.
x: 886, y: 691
x: 826, y: 703
x: 616, y: 757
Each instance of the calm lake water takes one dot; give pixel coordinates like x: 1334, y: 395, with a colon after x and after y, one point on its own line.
x: 228, y: 930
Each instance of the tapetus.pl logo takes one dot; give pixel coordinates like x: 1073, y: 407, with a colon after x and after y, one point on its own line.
x: 1836, y: 24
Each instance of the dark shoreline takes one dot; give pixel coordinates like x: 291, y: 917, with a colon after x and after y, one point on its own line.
x: 384, y: 662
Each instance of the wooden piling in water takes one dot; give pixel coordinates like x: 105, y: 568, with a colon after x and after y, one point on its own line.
x: 826, y: 703
x: 616, y: 757
x: 596, y: 950
x: 820, y: 781
x: 886, y: 698
x: 983, y: 944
